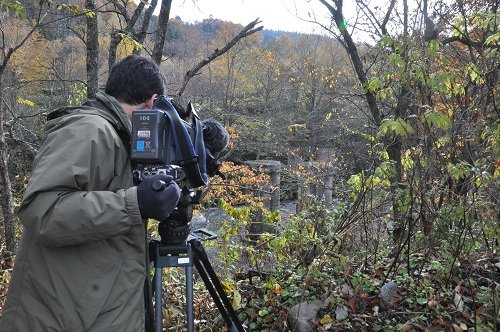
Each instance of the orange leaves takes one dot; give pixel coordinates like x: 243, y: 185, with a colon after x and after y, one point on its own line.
x: 239, y: 187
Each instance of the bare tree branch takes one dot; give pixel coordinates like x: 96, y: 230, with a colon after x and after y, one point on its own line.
x: 352, y: 50
x: 247, y: 31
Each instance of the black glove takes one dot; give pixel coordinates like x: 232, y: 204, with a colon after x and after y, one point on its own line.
x: 157, y: 196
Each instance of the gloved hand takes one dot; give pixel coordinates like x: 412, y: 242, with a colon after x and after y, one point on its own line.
x: 157, y: 196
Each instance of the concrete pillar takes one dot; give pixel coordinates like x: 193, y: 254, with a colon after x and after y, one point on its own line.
x: 270, y: 195
x: 325, y: 164
x: 272, y: 190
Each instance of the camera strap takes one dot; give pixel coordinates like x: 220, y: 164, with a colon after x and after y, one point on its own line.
x: 190, y: 149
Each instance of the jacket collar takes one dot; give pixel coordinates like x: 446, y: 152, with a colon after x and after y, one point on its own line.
x: 120, y: 118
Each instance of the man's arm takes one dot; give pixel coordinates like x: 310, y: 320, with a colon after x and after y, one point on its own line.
x: 67, y: 201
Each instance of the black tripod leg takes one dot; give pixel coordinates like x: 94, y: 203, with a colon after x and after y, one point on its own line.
x: 148, y: 288
x: 215, y: 287
x: 158, y: 299
x: 213, y: 293
x: 189, y: 298
x: 148, y: 302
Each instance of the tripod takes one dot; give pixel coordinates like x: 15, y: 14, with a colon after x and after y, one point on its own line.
x: 186, y: 254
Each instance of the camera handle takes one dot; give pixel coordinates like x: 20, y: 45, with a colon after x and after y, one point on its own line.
x: 186, y: 255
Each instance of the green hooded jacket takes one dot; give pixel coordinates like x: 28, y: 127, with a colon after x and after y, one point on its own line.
x: 81, y: 262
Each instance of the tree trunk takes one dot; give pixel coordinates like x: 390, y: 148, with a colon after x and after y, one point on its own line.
x: 162, y: 31
x: 6, y: 198
x: 141, y: 35
x: 92, y: 42
x: 113, y: 45
x: 7, y: 201
x: 116, y: 35
x: 393, y: 144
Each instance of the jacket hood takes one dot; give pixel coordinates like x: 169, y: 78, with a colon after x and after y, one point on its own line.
x: 112, y: 112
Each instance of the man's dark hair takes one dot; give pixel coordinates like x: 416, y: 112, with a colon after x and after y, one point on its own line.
x: 134, y: 79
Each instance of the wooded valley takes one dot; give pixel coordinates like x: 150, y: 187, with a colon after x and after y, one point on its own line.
x: 388, y: 150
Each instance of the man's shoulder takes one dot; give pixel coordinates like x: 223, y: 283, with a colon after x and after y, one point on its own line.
x: 108, y: 112
x: 80, y: 113
x: 80, y: 119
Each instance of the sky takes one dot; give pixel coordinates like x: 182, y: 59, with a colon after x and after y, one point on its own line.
x: 286, y: 15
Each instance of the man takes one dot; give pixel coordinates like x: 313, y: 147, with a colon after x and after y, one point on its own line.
x: 81, y: 264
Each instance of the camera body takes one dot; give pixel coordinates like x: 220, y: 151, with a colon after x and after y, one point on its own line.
x: 171, y: 140
x: 153, y: 149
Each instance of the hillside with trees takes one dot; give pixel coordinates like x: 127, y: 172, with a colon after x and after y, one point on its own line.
x: 389, y: 152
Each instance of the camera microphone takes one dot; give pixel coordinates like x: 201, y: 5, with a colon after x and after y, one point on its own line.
x: 216, y: 139
x: 215, y: 136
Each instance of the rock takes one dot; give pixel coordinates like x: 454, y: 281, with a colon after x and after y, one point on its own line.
x: 341, y: 313
x: 387, y: 292
x: 345, y: 289
x: 300, y: 314
x: 198, y: 221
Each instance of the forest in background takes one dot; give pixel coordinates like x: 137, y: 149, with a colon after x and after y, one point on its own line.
x: 404, y: 128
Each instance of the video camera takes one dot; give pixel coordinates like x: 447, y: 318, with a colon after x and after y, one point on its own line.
x: 171, y: 140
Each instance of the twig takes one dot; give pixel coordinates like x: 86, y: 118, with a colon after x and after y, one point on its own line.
x: 247, y: 31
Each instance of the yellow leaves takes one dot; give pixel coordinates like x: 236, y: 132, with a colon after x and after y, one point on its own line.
x: 127, y: 45
x: 32, y: 61
x: 5, y: 277
x: 231, y: 291
x: 228, y: 287
x: 496, y: 173
x: 23, y: 101
x: 89, y: 13
x: 327, y: 319
x: 406, y: 160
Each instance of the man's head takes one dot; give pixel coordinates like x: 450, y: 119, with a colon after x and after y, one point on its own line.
x: 134, y: 80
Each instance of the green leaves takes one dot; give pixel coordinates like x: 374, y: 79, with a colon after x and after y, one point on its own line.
x: 493, y: 39
x: 72, y: 9
x: 421, y: 300
x: 374, y: 84
x: 475, y: 73
x: 14, y: 7
x: 387, y: 41
x: 380, y: 178
x: 397, y: 60
x: 437, y: 119
x: 460, y: 170
x: 433, y: 47
x: 395, y: 126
